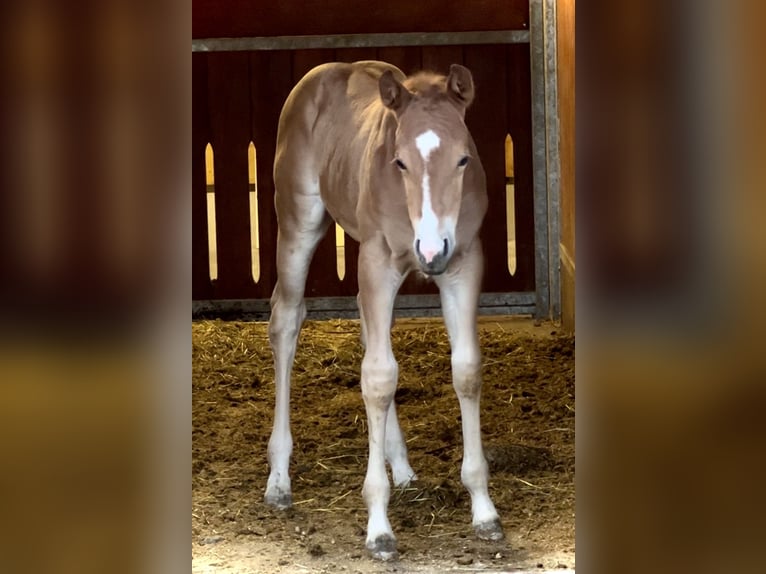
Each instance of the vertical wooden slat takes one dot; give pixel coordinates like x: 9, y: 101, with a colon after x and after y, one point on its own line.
x: 323, y: 277
x: 229, y: 100
x: 519, y: 95
x: 486, y: 119
x: 200, y: 137
x: 565, y: 66
x: 271, y: 80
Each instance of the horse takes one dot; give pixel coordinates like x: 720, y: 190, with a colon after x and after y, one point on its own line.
x: 390, y: 159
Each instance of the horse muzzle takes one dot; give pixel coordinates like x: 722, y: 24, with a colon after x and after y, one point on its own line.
x: 433, y: 262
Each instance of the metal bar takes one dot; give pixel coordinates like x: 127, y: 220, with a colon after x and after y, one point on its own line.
x: 552, y: 159
x: 359, y: 41
x: 346, y: 307
x: 539, y: 164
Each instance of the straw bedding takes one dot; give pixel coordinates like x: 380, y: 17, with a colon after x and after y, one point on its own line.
x: 527, y: 425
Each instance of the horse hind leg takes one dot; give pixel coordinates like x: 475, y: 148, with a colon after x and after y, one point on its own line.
x: 396, y: 450
x: 303, y: 223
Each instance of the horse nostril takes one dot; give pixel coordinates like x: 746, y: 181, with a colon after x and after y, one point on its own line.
x: 446, y: 248
x: 417, y: 246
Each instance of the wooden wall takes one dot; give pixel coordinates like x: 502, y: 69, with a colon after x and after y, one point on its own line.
x: 566, y: 94
x: 242, y: 18
x: 236, y: 99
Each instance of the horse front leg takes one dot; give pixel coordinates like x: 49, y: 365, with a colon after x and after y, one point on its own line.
x: 396, y: 449
x: 378, y: 284
x: 459, y: 295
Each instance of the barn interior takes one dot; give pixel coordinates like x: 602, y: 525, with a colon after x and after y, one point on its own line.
x: 245, y: 60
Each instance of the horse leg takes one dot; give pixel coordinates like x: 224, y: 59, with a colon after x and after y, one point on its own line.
x: 362, y: 333
x: 378, y: 284
x: 362, y: 329
x: 303, y: 222
x: 396, y: 449
x: 459, y: 294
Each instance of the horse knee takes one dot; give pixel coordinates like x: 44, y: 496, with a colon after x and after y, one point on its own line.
x: 379, y: 380
x: 286, y: 319
x: 466, y: 372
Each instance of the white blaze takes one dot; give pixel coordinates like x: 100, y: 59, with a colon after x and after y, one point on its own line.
x: 427, y: 142
x: 427, y: 229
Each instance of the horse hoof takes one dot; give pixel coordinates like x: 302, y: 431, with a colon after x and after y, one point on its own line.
x: 383, y: 548
x: 490, y: 530
x: 279, y: 499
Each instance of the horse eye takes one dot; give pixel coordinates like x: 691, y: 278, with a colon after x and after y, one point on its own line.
x: 463, y: 161
x: 400, y: 164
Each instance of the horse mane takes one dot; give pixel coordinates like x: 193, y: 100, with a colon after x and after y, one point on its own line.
x: 427, y: 84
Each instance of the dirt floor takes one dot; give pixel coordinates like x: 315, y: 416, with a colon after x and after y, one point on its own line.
x: 527, y: 424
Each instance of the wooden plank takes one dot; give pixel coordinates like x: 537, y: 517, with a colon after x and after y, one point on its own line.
x: 201, y: 288
x: 486, y: 119
x: 271, y: 80
x: 240, y: 18
x: 519, y: 94
x: 229, y: 114
x: 565, y: 43
x: 565, y: 66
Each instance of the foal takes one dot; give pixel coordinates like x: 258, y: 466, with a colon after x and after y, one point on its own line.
x: 391, y: 160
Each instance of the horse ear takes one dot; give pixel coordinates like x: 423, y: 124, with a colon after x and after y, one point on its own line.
x: 393, y: 94
x: 460, y: 84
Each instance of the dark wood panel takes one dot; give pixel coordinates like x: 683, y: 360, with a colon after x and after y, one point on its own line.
x: 356, y: 54
x: 407, y: 58
x: 271, y: 80
x: 200, y: 137
x: 519, y: 96
x: 229, y: 114
x: 439, y: 58
x: 239, y: 18
x: 487, y: 120
x: 238, y: 97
